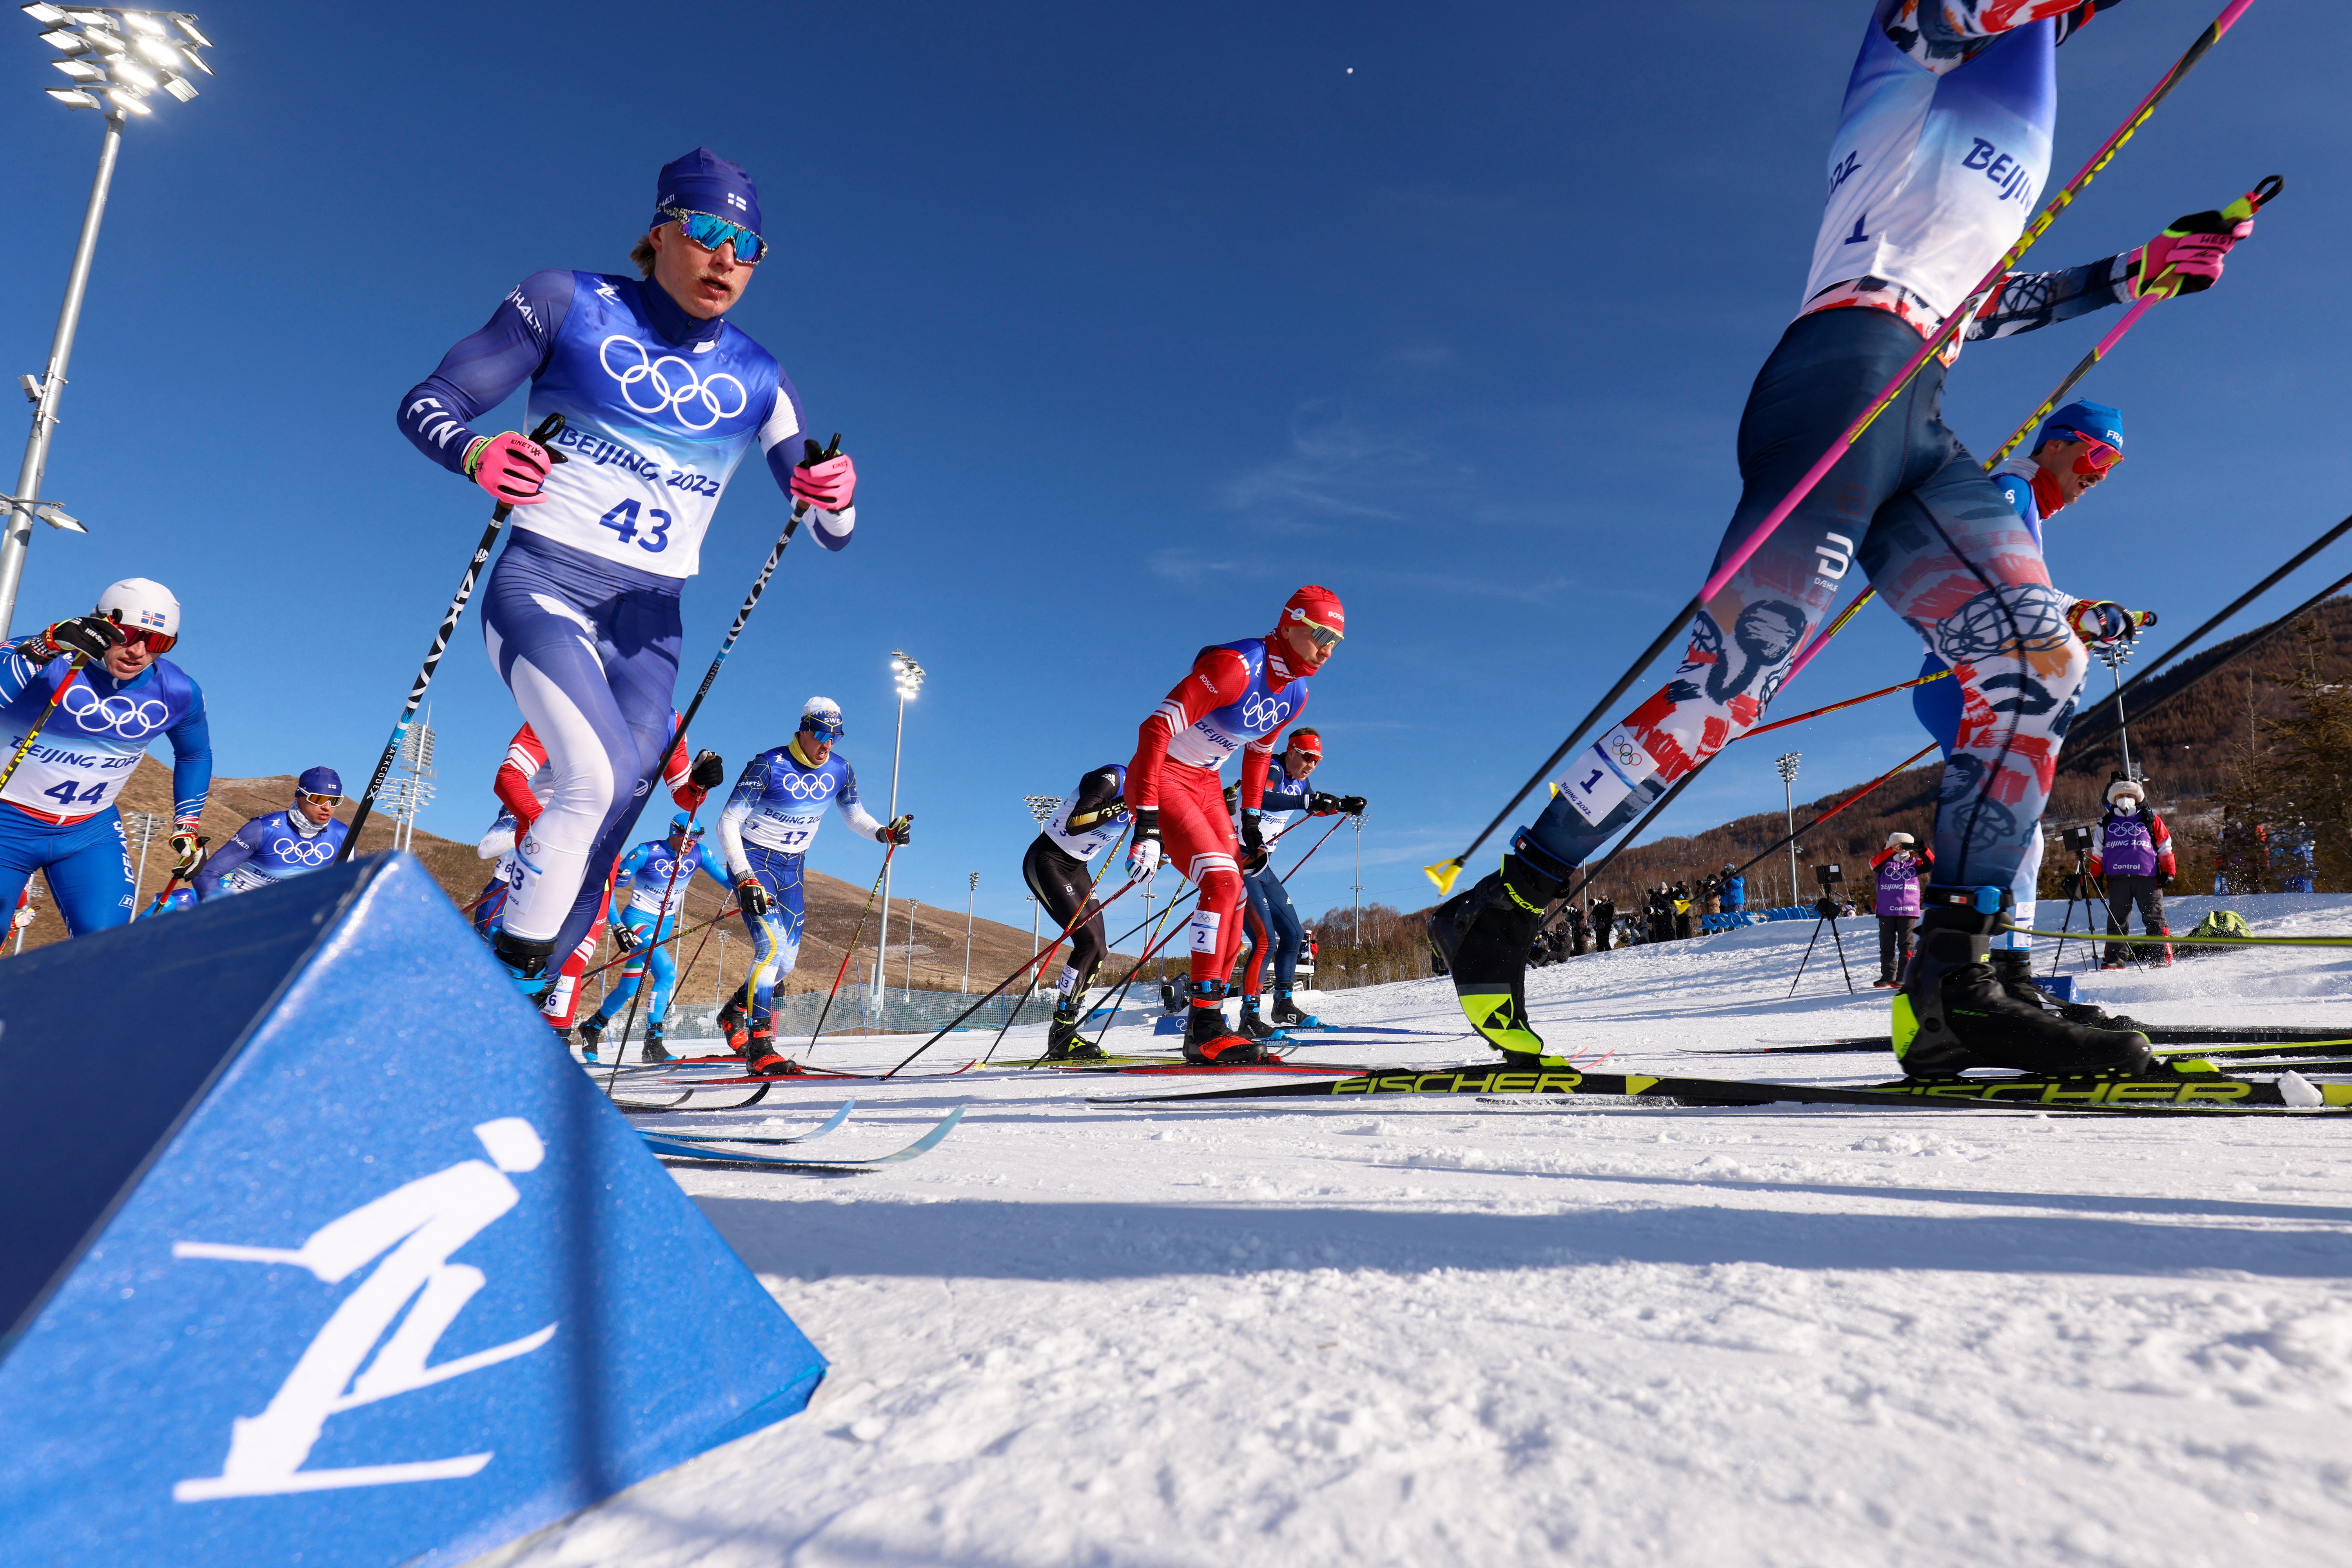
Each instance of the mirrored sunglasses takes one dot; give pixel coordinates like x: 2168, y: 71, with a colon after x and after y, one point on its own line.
x: 711, y: 232
x: 2096, y: 457
x: 1323, y: 635
x: 160, y: 643
x: 317, y: 799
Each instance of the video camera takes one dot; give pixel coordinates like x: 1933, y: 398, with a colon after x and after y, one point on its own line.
x: 1828, y: 877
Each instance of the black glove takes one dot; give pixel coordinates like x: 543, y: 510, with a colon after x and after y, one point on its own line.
x: 625, y: 937
x: 1352, y: 804
x: 1322, y: 805
x: 1233, y: 796
x: 708, y: 772
x: 1143, y: 855
x: 189, y: 851
x: 900, y: 829
x: 90, y: 635
x: 1253, y: 835
x: 752, y: 896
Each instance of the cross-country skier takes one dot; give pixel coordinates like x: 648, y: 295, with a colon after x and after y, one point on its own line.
x: 661, y: 400
x: 658, y: 873
x: 60, y: 818
x: 1088, y: 820
x: 2132, y: 849
x: 279, y: 845
x: 1239, y: 694
x: 2077, y: 448
x: 1942, y: 149
x: 764, y: 833
x: 1269, y: 922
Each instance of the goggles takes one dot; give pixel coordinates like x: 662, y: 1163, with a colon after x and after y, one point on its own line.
x: 1323, y: 635
x: 825, y: 729
x: 328, y: 800
x: 160, y: 643
x: 710, y: 233
x: 2096, y: 457
x: 1304, y: 756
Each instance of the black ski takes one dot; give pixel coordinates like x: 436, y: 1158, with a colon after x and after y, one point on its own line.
x: 2176, y: 1034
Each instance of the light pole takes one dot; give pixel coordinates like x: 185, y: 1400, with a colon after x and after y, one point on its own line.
x: 718, y: 987
x: 1788, y: 765
x: 1042, y: 807
x: 908, y: 675
x: 1356, y: 926
x: 142, y: 826
x: 971, y: 896
x: 117, y: 60
x: 907, y: 985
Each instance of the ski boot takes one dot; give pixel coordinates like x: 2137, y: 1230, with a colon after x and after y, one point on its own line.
x: 760, y: 1053
x: 1062, y: 1041
x: 1206, y: 1038
x: 591, y: 1035
x: 525, y: 963
x: 654, y: 1049
x: 731, y: 1025
x: 1954, y: 1013
x: 1287, y: 1015
x: 1484, y: 937
x: 1256, y: 1028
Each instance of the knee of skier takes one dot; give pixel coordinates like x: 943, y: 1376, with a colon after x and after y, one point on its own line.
x: 1221, y: 889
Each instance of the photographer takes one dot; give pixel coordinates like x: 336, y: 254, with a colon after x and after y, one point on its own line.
x: 1900, y: 867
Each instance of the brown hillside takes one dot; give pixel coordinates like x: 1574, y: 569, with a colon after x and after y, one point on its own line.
x: 832, y: 904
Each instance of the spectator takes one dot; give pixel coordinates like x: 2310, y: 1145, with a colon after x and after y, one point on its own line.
x: 2133, y: 850
x: 1604, y: 923
x: 1682, y: 906
x: 1577, y: 931
x: 1901, y: 867
x: 1735, y: 891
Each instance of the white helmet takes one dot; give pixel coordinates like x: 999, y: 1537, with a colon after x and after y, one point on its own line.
x: 821, y: 716
x: 1895, y: 839
x: 142, y: 604
x: 2123, y: 787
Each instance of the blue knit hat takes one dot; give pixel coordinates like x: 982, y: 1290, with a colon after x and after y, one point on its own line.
x: 703, y: 182
x: 2076, y: 420
x: 319, y: 780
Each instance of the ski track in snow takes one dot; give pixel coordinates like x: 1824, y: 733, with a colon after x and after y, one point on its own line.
x: 1407, y: 1332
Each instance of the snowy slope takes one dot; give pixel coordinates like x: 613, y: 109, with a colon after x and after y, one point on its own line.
x: 1416, y: 1331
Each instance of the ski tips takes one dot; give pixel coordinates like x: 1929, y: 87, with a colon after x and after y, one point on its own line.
x: 1443, y: 874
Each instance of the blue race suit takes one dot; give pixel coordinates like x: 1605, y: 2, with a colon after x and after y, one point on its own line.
x: 267, y: 851
x: 581, y: 614
x: 60, y: 816
x: 1273, y: 925
x: 765, y: 831
x: 658, y: 883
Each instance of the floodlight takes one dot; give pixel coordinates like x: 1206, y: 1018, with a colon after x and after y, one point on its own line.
x: 197, y: 60
x: 124, y: 99
x: 156, y: 51
x: 80, y: 70
x: 107, y: 42
x: 188, y: 25
x: 144, y: 22
x: 63, y: 40
x: 137, y: 75
x: 45, y: 15
x: 72, y: 97
x: 178, y: 88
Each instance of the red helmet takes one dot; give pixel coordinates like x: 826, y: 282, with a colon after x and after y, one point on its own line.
x: 1320, y: 610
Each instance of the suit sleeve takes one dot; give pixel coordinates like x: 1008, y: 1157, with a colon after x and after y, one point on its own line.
x: 2160, y: 838
x: 192, y: 760
x: 483, y: 370
x: 244, y: 846
x: 1218, y: 676
x: 1097, y: 797
x: 525, y: 757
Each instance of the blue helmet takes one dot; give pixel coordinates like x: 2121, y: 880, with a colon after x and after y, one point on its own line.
x: 2079, y: 419
x: 684, y: 822
x: 320, y: 781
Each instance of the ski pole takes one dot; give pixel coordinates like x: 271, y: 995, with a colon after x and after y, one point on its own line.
x: 1445, y: 871
x: 1039, y: 971
x: 1118, y: 1000
x: 172, y: 882
x: 546, y: 430
x: 646, y: 978
x: 1849, y: 702
x: 2245, y: 207
x: 827, y: 1010
x: 25, y: 746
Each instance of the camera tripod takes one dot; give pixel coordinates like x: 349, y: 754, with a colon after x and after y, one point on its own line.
x: 1826, y: 908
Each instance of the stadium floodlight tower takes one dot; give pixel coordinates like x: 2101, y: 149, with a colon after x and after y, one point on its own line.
x: 117, y: 61
x: 1787, y: 762
x: 908, y: 677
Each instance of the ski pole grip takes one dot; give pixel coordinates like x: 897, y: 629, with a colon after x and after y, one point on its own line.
x: 2265, y: 191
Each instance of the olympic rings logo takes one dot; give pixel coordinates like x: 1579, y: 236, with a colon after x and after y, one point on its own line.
x: 303, y: 851
x: 124, y: 716
x: 1262, y: 713
x: 667, y: 396
x: 809, y: 786
x: 1625, y: 749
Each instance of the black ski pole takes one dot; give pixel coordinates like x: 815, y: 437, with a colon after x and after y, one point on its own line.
x: 546, y: 430
x: 1038, y: 973
x: 1158, y: 939
x: 827, y: 1011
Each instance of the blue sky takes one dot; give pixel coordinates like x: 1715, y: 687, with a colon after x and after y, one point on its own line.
x: 1134, y: 319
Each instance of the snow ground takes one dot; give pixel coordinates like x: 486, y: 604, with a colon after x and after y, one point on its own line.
x: 1402, y: 1331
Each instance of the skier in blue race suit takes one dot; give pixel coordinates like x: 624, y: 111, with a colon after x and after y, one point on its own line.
x: 2078, y: 446
x: 1271, y: 923
x: 280, y: 845
x: 764, y: 831
x: 658, y: 873
x: 661, y: 399
x: 60, y: 816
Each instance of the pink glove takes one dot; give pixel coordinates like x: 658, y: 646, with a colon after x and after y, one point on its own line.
x: 511, y: 466
x: 2186, y: 258
x: 830, y: 484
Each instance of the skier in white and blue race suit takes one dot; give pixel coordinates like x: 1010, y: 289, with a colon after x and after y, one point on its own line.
x: 1271, y: 922
x: 661, y: 399
x: 280, y: 845
x: 58, y: 813
x: 2077, y: 447
x: 658, y: 873
x: 765, y: 834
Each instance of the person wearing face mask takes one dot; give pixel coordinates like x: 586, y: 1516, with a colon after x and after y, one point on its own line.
x: 662, y: 399
x: 95, y: 691
x: 2077, y: 448
x: 279, y: 845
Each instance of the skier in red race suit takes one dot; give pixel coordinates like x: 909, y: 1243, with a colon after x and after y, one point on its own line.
x: 1238, y: 696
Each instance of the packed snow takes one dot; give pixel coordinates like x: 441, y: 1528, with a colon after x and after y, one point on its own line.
x: 1439, y: 1331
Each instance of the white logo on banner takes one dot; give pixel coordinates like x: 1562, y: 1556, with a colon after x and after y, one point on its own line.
x: 413, y: 1229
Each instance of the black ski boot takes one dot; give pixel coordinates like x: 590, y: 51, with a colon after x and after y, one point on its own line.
x: 525, y: 963
x: 654, y: 1049
x: 1287, y: 1015
x: 1953, y: 1012
x: 591, y: 1035
x: 1062, y: 1041
x: 1256, y: 1028
x: 1206, y: 1038
x: 760, y: 1053
x: 2014, y: 969
x: 1489, y: 950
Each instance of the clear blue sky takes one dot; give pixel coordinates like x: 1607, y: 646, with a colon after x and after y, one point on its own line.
x: 1134, y: 319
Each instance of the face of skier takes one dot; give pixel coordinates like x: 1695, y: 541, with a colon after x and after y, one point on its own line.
x: 706, y: 284
x: 315, y: 809
x: 126, y: 660
x: 1299, y: 641
x: 816, y: 748
x: 1298, y: 764
x: 2075, y: 466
